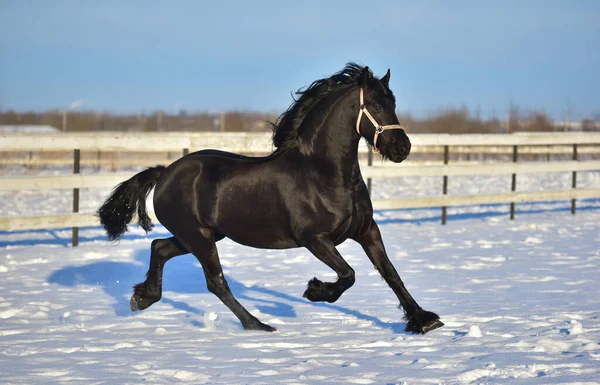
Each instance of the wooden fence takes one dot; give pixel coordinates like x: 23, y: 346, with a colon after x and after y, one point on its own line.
x: 100, y: 148
x: 259, y: 143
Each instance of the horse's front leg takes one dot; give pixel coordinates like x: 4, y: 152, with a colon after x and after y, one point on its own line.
x: 323, y: 248
x: 418, y: 320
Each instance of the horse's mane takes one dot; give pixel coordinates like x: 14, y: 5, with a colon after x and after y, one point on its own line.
x: 285, y: 130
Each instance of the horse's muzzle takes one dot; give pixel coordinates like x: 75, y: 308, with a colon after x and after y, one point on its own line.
x: 397, y: 146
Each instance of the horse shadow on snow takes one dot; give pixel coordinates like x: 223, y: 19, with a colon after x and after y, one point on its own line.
x: 183, y: 275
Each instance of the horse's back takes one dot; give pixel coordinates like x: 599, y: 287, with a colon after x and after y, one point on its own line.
x: 226, y: 156
x: 206, y: 168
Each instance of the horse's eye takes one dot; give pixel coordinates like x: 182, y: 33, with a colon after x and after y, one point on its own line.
x: 377, y: 108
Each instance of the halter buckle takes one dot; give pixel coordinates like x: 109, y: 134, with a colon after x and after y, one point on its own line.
x: 379, y: 129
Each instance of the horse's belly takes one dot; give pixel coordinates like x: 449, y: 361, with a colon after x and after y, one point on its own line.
x: 253, y: 232
x: 270, y: 238
x: 262, y: 240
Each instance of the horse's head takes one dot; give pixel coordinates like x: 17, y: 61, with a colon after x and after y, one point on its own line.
x: 380, y: 125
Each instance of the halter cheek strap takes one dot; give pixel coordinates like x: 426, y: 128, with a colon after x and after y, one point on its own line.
x: 378, y: 128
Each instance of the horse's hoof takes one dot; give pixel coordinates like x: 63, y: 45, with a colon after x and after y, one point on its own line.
x: 140, y: 303
x: 133, y: 304
x: 314, y: 291
x: 435, y: 324
x: 141, y: 298
x: 422, y: 321
x: 259, y: 326
x: 318, y: 291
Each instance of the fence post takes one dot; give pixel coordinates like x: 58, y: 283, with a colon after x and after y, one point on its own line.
x: 513, y: 186
x: 445, y: 185
x: 370, y: 164
x: 574, y: 184
x: 186, y: 151
x: 76, y: 164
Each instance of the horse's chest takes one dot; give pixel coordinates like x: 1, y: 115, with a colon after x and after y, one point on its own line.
x: 348, y: 223
x: 344, y: 230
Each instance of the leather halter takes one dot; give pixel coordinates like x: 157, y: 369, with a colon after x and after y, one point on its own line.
x: 378, y: 128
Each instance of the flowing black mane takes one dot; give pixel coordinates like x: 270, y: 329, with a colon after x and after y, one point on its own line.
x: 285, y: 131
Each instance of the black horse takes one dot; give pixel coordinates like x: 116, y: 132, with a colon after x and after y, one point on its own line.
x: 308, y: 193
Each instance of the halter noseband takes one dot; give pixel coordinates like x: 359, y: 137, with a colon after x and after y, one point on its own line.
x: 378, y: 128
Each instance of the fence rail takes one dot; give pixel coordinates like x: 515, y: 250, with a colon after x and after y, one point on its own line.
x: 112, y: 179
x: 115, y: 159
x: 260, y: 143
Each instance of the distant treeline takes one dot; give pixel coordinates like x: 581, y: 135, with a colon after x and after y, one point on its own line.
x: 446, y: 121
x: 157, y: 121
x: 461, y: 121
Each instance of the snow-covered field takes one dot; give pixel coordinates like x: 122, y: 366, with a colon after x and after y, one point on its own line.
x: 519, y: 299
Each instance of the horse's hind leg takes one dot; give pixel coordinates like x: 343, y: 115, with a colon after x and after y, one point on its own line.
x: 150, y: 291
x: 205, y: 250
x: 323, y: 248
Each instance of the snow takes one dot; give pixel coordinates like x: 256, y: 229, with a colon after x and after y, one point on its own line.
x: 474, y: 332
x: 517, y: 299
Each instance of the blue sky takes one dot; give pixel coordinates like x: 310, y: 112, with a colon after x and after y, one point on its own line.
x: 133, y: 56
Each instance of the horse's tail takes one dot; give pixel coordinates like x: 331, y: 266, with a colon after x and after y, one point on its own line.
x: 125, y: 199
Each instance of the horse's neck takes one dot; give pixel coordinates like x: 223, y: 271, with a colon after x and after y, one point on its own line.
x: 331, y: 139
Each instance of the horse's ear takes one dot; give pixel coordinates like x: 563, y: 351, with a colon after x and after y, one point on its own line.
x: 386, y: 79
x: 364, y: 78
